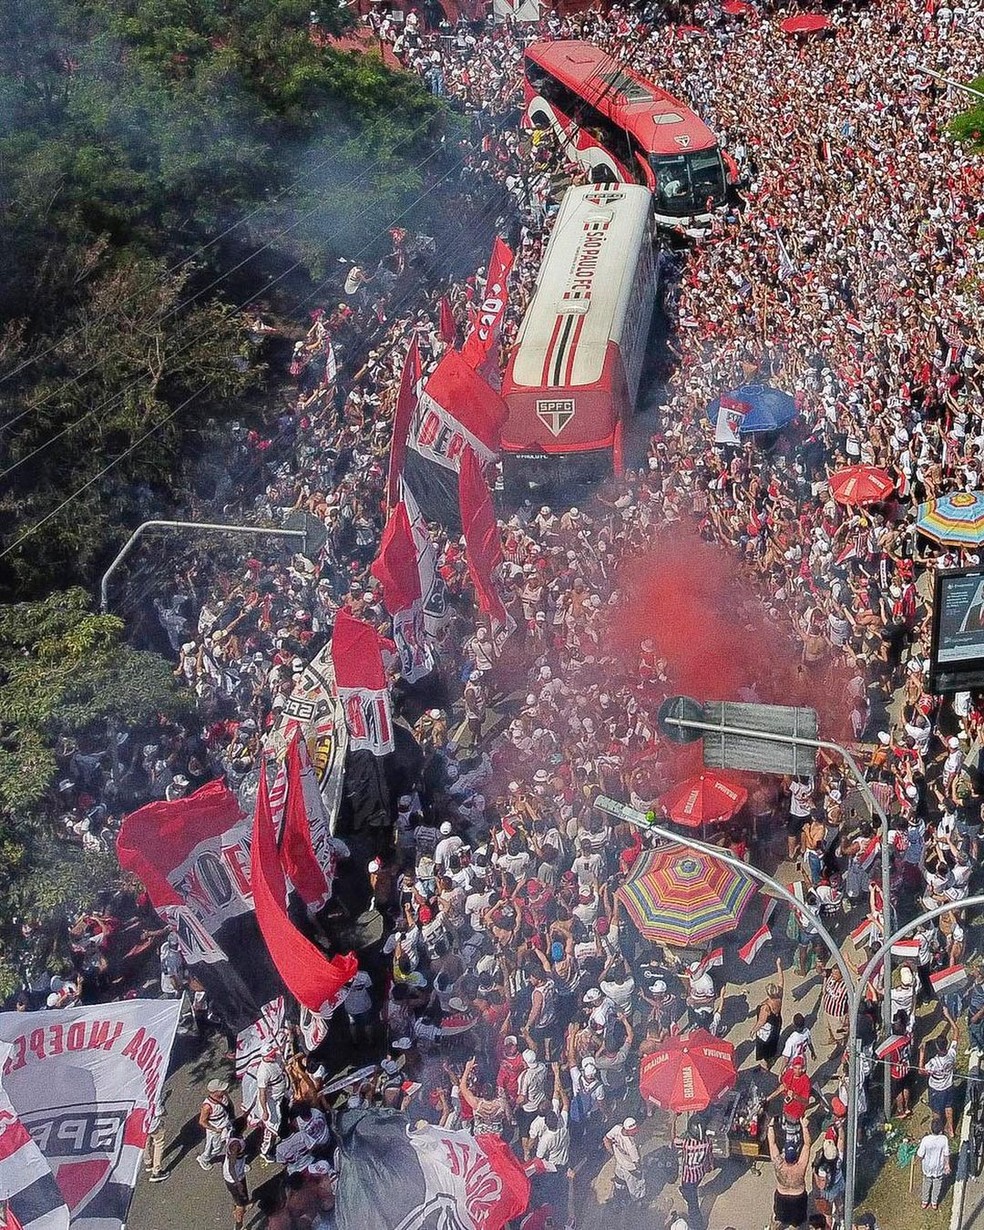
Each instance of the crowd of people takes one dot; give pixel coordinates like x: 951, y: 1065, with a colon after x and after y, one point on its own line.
x: 512, y: 993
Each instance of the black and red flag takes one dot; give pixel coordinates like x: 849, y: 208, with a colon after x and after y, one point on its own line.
x: 423, y: 1178
x: 193, y: 857
x: 456, y: 409
x: 361, y: 681
x: 396, y: 569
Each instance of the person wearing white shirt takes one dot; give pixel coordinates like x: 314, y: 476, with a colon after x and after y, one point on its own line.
x: 939, y: 1070
x: 934, y: 1157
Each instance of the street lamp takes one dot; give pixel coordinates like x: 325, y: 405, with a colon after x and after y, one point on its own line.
x: 855, y: 984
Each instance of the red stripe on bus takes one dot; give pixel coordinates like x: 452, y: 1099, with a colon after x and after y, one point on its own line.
x: 572, y: 351
x: 545, y: 374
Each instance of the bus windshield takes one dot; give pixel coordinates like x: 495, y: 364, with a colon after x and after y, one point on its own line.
x: 685, y: 181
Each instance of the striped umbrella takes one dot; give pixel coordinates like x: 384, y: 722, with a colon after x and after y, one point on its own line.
x: 861, y: 485
x: 954, y: 520
x: 704, y: 799
x: 683, y: 898
x: 688, y: 1072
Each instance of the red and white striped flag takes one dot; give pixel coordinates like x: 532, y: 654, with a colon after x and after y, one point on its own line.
x: 748, y: 952
x: 870, y: 852
x: 906, y: 950
x: 861, y: 935
x: 768, y: 911
x: 796, y: 888
x: 709, y: 962
x: 953, y: 978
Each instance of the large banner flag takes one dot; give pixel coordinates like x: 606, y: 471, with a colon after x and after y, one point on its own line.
x: 192, y: 856
x: 483, y: 545
x: 313, y: 979
x: 79, y: 1085
x: 423, y: 1178
x: 315, y: 710
x: 456, y: 409
x: 434, y: 592
x: 730, y: 416
x: 411, y: 380
x: 481, y: 348
x: 395, y: 567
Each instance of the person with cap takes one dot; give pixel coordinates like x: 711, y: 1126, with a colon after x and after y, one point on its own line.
x: 768, y: 1021
x: 621, y: 1143
x: 215, y: 1119
x: 531, y: 1094
x: 448, y: 845
x: 790, y: 1162
x: 829, y: 1182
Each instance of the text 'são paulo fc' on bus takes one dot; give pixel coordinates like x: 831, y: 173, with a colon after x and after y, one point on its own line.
x: 625, y: 128
x: 573, y: 373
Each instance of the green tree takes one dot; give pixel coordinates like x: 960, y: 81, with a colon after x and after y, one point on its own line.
x: 968, y: 126
x: 65, y: 672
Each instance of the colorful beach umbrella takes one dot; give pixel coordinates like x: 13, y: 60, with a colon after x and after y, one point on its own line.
x: 953, y: 520
x: 688, y: 1072
x: 705, y: 799
x: 683, y: 898
x: 805, y: 23
x: 861, y: 485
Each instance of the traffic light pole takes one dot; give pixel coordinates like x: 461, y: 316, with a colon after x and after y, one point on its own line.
x: 686, y: 723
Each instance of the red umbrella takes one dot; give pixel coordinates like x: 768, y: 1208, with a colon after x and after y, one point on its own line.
x: 704, y: 799
x: 688, y: 1072
x: 861, y: 485
x: 807, y: 23
x: 737, y: 8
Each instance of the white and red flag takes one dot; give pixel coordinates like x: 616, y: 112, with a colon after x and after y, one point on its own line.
x: 396, y: 569
x: 481, y: 348
x: 748, y: 952
x: 406, y: 403
x: 362, y: 686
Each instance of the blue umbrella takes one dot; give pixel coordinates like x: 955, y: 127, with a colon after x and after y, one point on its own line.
x: 768, y: 409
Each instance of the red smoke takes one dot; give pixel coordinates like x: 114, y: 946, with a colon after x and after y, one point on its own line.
x: 689, y: 598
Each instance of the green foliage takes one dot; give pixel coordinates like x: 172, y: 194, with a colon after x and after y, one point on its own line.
x: 64, y: 671
x: 968, y: 126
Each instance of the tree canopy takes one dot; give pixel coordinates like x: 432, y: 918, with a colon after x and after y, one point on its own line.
x: 160, y: 162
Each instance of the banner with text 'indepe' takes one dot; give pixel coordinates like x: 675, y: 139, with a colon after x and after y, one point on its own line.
x: 76, y: 1096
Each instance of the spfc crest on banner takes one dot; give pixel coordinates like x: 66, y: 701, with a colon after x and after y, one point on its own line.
x: 83, y: 1145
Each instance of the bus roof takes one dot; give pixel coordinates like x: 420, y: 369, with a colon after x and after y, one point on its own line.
x: 583, y: 287
x: 661, y: 123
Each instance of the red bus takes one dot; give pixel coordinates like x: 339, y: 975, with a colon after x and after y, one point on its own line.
x: 626, y: 129
x: 573, y: 374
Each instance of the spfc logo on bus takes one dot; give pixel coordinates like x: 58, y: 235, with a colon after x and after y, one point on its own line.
x: 555, y: 414
x: 82, y: 1145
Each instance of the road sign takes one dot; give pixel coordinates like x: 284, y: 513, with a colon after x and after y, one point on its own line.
x: 759, y: 738
x: 724, y: 749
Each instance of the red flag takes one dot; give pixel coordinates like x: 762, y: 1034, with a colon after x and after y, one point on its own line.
x: 481, y: 348
x: 483, y: 546
x: 296, y: 848
x: 361, y: 683
x: 447, y: 328
x: 396, y: 568
x: 406, y: 403
x: 313, y: 979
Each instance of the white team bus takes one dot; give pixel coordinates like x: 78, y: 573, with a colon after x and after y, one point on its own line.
x: 573, y: 374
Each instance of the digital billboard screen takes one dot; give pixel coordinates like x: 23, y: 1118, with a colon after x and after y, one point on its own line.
x: 957, y: 652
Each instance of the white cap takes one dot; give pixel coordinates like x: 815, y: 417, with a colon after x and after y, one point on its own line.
x: 373, y: 865
x: 446, y: 829
x: 953, y: 743
x: 629, y: 1125
x: 905, y: 976
x: 529, y: 1058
